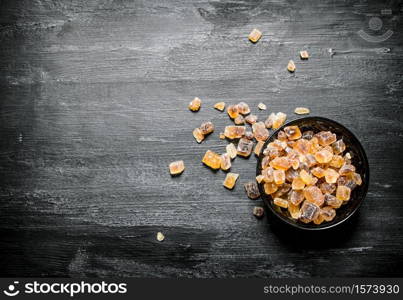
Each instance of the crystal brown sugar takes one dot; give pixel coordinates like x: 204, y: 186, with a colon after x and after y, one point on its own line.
x: 307, y: 175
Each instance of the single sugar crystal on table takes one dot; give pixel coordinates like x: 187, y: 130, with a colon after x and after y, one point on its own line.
x: 212, y: 160
x: 309, y: 211
x: 252, y: 190
x: 243, y: 108
x: 231, y: 150
x: 255, y: 35
x: 239, y: 120
x: 160, y: 237
x: 281, y: 202
x: 198, y: 135
x: 262, y: 106
x: 225, y: 162
x: 261, y: 133
x: 220, y: 106
x: 343, y: 193
x: 251, y: 119
x: 304, y: 54
x: 245, y: 147
x: 296, y: 197
x: 302, y: 111
x: 207, y: 128
x: 233, y: 111
x: 176, y: 167
x: 230, y: 180
x: 291, y: 66
x: 292, y: 132
x: 258, y: 211
x: 279, y: 120
x: 314, y: 194
x: 234, y: 132
x: 195, y: 104
x: 270, y: 120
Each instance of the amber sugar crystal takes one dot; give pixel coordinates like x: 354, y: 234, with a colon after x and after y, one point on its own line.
x: 212, y: 160
x: 231, y: 150
x: 176, y: 167
x: 280, y: 202
x: 314, y: 194
x: 230, y: 180
x: 198, y: 135
x: 252, y: 190
x: 207, y: 128
x: 195, y: 104
x: 304, y: 54
x: 234, y: 132
x: 270, y: 188
x: 292, y: 132
x: 291, y: 66
x: 245, y: 147
x: 233, y: 111
x: 220, y: 106
x: 255, y: 35
x: 281, y: 163
x: 343, y: 193
x: 225, y: 161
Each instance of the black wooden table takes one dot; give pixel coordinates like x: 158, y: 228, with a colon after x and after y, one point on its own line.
x: 93, y: 108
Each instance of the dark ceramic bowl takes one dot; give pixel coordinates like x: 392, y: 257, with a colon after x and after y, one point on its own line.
x: 359, y: 160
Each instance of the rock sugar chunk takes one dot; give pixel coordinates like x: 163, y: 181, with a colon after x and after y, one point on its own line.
x: 245, y: 147
x: 176, y: 167
x: 252, y: 190
x: 255, y: 35
x: 195, y: 104
x: 230, y: 180
x: 212, y: 160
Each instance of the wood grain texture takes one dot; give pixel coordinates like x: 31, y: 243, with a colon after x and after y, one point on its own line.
x: 93, y: 108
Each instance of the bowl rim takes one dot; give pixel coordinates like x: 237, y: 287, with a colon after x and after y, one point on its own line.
x: 365, y: 182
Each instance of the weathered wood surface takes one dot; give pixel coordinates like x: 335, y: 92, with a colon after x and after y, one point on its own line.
x: 93, y: 104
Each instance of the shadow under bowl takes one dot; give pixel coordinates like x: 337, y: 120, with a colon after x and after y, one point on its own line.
x: 359, y: 160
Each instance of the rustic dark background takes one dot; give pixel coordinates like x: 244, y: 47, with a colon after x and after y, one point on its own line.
x: 93, y: 108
